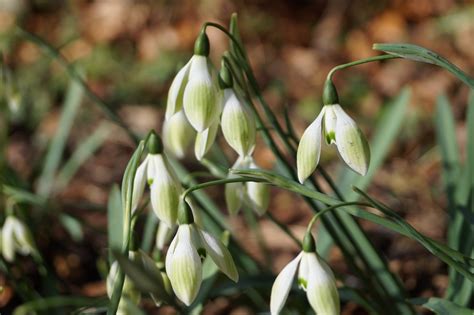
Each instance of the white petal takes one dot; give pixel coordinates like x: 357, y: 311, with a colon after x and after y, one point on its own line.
x: 234, y: 192
x: 220, y: 255
x: 178, y: 134
x: 176, y: 91
x: 329, y: 123
x: 139, y: 183
x: 200, y: 95
x: 204, y: 140
x: 351, y: 142
x: 282, y: 286
x: 322, y: 292
x: 184, y: 267
x: 303, y: 272
x: 23, y: 238
x: 165, y: 190
x: 8, y: 239
x: 309, y: 149
x: 238, y: 125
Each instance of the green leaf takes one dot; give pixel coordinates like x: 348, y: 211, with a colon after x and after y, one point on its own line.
x: 55, y: 151
x: 144, y: 278
x: 57, y: 302
x: 421, y: 54
x: 114, y: 220
x: 394, y: 222
x: 23, y: 196
x: 83, y: 152
x: 73, y: 226
x: 441, y: 306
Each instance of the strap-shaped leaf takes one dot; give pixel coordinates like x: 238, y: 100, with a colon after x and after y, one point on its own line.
x: 441, y: 306
x: 421, y: 54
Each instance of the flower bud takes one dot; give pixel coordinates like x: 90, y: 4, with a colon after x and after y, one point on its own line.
x: 178, y: 134
x: 163, y: 235
x: 238, y: 124
x: 199, y: 99
x: 204, y: 140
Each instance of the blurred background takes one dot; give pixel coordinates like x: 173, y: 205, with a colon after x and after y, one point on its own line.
x: 129, y: 51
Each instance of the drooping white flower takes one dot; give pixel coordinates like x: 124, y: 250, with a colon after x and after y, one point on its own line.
x: 183, y: 260
x: 339, y: 129
x: 178, y: 134
x: 165, y: 186
x: 194, y: 90
x: 16, y: 238
x: 314, y: 276
x: 238, y: 124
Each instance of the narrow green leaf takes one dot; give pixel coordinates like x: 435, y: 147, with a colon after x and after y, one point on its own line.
x: 143, y: 278
x: 57, y: 302
x: 421, y: 54
x: 114, y: 221
x: 83, y: 152
x: 73, y: 226
x: 56, y: 148
x: 23, y: 196
x: 441, y: 306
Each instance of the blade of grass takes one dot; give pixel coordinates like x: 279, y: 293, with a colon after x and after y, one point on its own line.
x: 83, y: 152
x: 57, y: 302
x: 56, y: 148
x: 441, y: 306
x: 114, y: 221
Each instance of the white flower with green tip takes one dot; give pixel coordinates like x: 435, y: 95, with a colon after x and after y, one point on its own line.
x: 183, y: 260
x: 314, y: 276
x: 204, y: 140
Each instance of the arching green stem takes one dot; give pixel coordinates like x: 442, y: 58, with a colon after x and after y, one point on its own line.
x: 220, y: 182
x: 359, y: 62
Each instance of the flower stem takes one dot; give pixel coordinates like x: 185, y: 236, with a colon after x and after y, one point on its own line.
x: 359, y: 62
x: 219, y: 182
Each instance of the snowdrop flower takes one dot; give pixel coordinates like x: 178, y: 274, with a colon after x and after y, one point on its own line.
x: 178, y: 134
x: 237, y: 122
x: 193, y: 89
x: 129, y: 293
x: 183, y: 260
x: 165, y: 187
x: 163, y: 235
x: 337, y: 128
x: 204, y: 140
x: 16, y: 237
x: 314, y: 276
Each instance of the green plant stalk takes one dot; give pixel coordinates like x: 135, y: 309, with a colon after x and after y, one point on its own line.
x: 359, y: 62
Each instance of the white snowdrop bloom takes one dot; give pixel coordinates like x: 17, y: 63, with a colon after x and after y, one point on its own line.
x: 178, y: 134
x: 314, y: 276
x: 235, y: 192
x: 238, y: 124
x: 339, y: 129
x: 16, y: 238
x: 183, y: 260
x: 165, y: 186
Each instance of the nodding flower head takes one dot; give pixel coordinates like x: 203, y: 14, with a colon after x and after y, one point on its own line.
x: 189, y: 247
x: 165, y: 187
x: 313, y: 276
x: 339, y: 129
